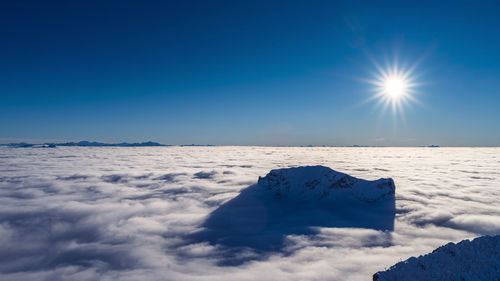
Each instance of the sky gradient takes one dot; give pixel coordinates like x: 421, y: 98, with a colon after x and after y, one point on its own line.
x: 248, y: 72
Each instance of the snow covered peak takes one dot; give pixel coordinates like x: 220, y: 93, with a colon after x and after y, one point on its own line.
x: 296, y: 201
x: 324, y: 183
x: 478, y: 259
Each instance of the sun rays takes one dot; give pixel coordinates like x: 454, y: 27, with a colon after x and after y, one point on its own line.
x: 394, y: 88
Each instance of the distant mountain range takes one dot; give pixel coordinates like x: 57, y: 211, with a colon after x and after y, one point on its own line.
x: 150, y: 143
x: 85, y: 143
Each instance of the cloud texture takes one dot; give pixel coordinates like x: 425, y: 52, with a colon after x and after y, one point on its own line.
x: 122, y: 213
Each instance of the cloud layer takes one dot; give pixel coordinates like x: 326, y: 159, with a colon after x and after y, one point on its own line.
x: 107, y: 213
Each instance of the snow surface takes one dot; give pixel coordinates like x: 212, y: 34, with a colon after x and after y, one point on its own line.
x: 476, y: 260
x: 115, y: 213
x: 319, y: 182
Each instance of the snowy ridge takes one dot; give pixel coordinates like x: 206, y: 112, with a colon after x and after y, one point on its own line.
x: 478, y: 259
x: 323, y: 183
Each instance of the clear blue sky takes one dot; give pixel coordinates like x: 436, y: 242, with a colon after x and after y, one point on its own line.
x: 247, y: 72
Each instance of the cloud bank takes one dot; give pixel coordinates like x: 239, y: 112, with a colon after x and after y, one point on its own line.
x: 122, y: 213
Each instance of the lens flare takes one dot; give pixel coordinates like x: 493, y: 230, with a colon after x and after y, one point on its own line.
x: 394, y: 87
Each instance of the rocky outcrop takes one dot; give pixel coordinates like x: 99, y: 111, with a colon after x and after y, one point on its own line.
x: 319, y: 182
x: 478, y: 259
x: 298, y: 201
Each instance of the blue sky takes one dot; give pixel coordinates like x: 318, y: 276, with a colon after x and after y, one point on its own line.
x: 248, y: 72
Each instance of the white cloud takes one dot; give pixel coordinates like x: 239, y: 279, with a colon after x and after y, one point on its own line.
x: 122, y: 213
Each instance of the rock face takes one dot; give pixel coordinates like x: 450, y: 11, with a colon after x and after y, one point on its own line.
x: 478, y: 259
x: 323, y: 183
x: 295, y: 201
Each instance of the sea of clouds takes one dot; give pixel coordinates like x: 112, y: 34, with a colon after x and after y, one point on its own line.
x: 74, y: 213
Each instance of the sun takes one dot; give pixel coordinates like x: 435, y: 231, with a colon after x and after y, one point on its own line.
x: 395, y: 87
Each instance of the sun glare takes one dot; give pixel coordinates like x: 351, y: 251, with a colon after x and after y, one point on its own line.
x: 394, y: 87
